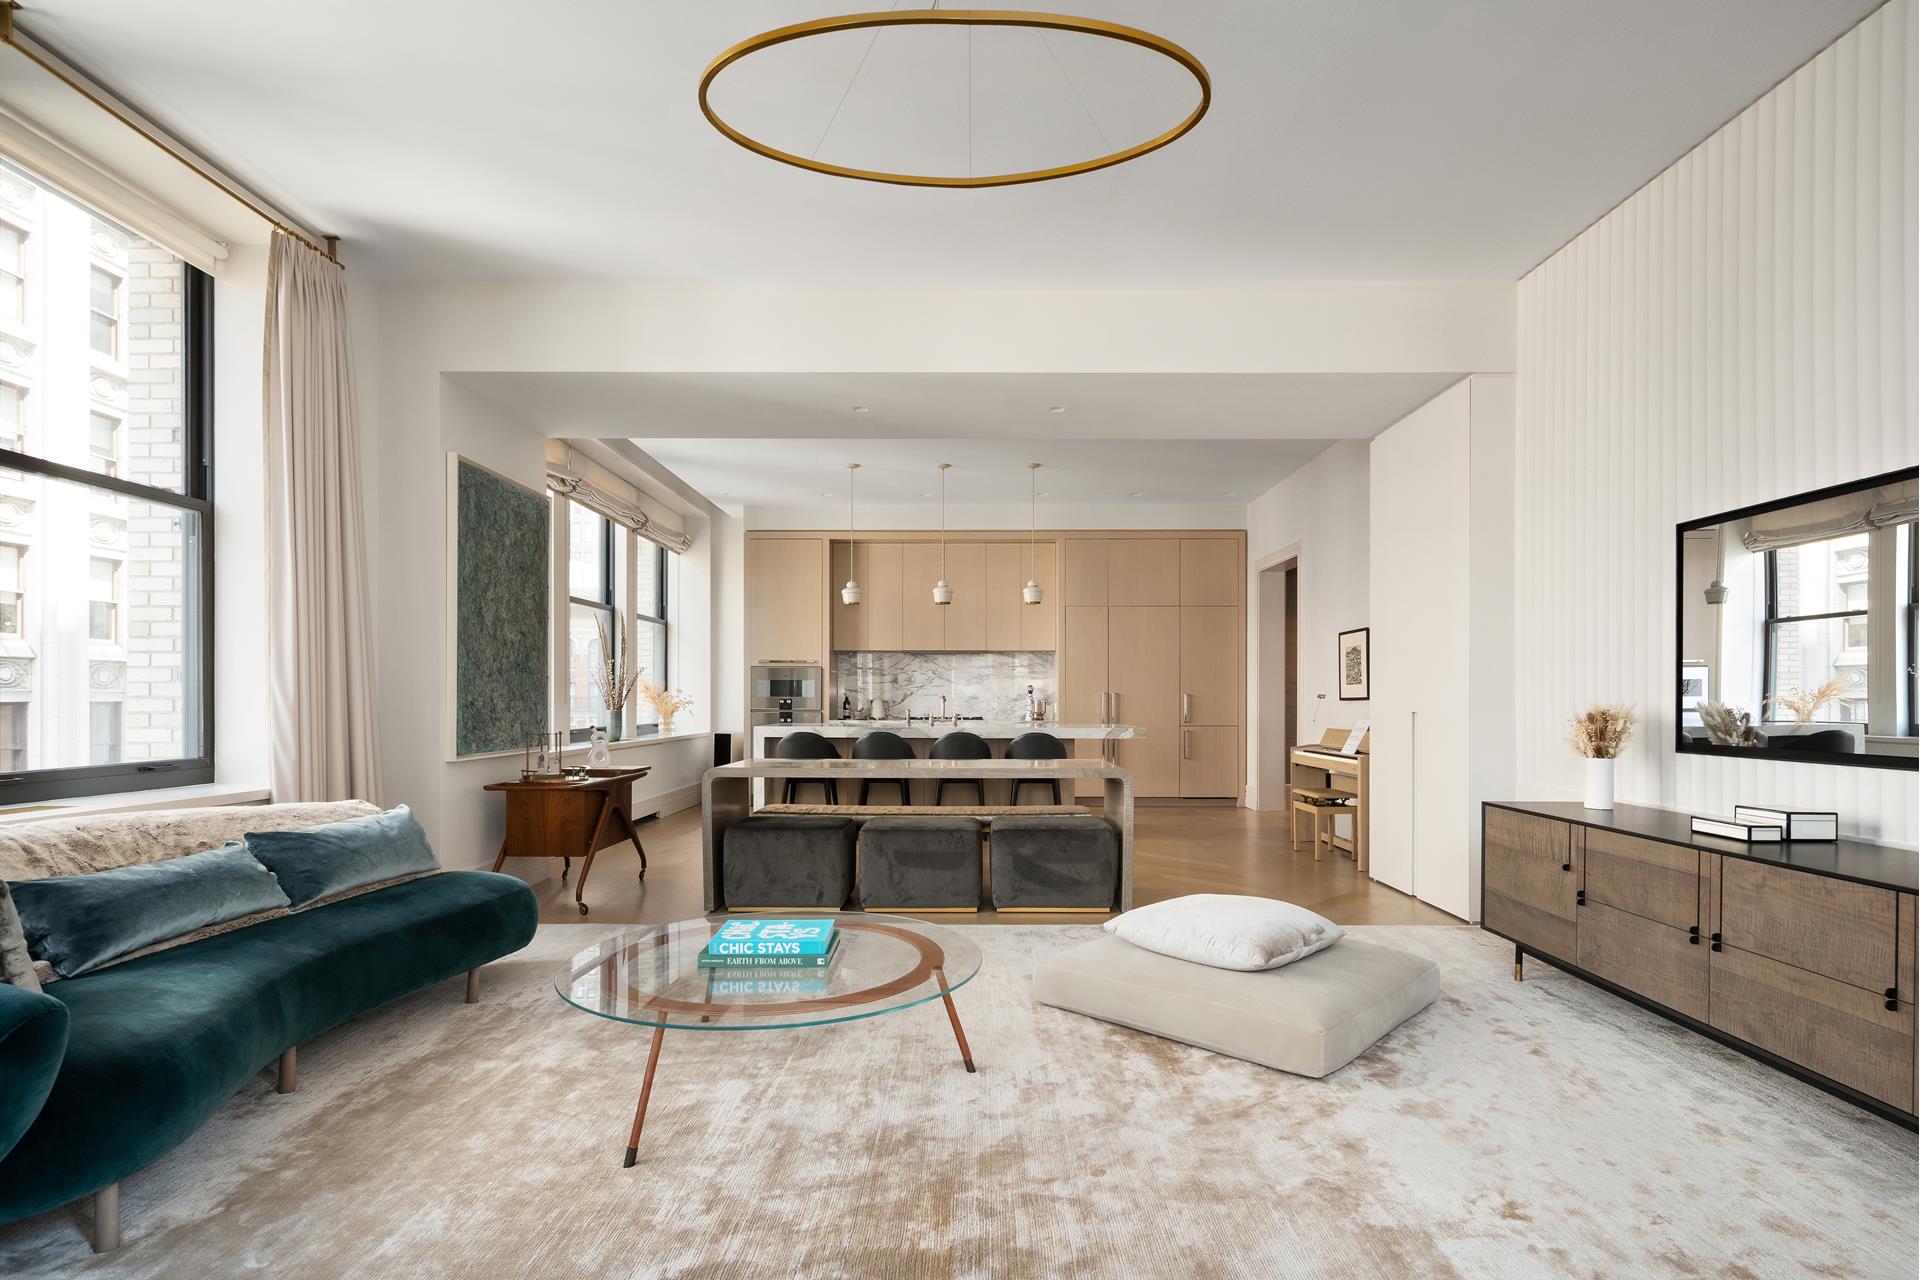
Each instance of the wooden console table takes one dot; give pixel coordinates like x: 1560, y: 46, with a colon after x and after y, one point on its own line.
x: 568, y: 818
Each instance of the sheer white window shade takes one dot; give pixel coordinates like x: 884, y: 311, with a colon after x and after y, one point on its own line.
x: 1833, y: 517
x: 600, y: 490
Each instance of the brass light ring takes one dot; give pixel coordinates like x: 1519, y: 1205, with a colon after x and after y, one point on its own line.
x: 962, y: 18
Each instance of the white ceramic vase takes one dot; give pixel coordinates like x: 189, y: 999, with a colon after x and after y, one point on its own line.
x: 1599, y: 784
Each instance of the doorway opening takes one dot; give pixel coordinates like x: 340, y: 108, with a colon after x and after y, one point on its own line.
x: 1278, y: 715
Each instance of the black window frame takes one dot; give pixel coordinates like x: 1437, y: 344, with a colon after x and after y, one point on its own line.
x: 1912, y: 529
x: 1775, y: 620
x: 657, y: 618
x: 608, y: 603
x: 196, y: 495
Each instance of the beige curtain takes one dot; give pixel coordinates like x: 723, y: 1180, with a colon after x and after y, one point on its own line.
x: 322, y: 735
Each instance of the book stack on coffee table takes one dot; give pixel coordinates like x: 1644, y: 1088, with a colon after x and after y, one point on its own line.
x: 766, y: 957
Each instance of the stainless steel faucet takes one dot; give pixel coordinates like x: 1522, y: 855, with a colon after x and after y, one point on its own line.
x: 943, y: 709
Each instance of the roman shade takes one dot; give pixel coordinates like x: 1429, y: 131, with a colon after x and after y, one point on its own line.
x: 594, y: 487
x: 1833, y: 517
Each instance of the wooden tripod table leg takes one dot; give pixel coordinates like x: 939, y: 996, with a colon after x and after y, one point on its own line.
x: 953, y: 1016
x: 646, y: 1091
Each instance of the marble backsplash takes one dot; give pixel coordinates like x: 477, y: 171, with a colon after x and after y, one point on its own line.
x: 990, y: 685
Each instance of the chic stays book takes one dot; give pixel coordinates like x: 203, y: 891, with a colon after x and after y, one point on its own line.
x: 736, y: 984
x: 771, y: 938
x: 707, y: 960
x: 1799, y: 824
x: 1735, y: 829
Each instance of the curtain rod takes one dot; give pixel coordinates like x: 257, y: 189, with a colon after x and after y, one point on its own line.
x: 8, y: 32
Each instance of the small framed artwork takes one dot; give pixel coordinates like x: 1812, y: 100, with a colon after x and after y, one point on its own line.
x: 1353, y: 664
x: 1695, y: 685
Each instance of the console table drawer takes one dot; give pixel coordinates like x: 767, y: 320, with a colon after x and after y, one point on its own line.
x: 1646, y: 958
x: 1656, y: 881
x: 1826, y: 926
x: 1528, y: 879
x: 1835, y: 1028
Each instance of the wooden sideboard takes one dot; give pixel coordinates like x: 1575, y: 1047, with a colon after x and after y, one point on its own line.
x: 1799, y: 954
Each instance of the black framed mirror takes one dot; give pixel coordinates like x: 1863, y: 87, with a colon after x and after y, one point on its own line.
x: 1796, y: 624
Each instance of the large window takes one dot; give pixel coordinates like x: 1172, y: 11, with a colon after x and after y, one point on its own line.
x: 1817, y: 627
x: 106, y: 567
x: 616, y: 583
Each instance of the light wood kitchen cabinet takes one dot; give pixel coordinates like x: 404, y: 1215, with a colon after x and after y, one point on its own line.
x: 966, y: 624
x: 1210, y: 640
x: 847, y: 560
x: 786, y: 581
x: 1655, y: 960
x: 1083, y: 571
x: 1040, y: 623
x: 1082, y: 661
x: 923, y: 624
x: 882, y: 581
x: 1210, y: 571
x: 1530, y: 881
x: 1209, y: 761
x: 1143, y: 673
x: 1143, y: 571
x: 1005, y: 578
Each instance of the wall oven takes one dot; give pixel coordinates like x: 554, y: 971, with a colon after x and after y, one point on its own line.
x: 785, y: 695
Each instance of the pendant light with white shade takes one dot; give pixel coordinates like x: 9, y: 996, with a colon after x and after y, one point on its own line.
x: 852, y: 592
x: 942, y: 593
x: 1031, y: 593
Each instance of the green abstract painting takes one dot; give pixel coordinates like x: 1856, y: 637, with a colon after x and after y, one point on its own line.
x: 501, y: 610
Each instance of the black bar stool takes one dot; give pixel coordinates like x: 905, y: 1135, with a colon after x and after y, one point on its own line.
x: 961, y: 745
x: 881, y: 745
x: 807, y: 746
x: 1036, y: 746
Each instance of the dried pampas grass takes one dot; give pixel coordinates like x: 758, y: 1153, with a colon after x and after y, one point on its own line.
x: 1806, y: 703
x: 1602, y: 732
x: 1726, y: 727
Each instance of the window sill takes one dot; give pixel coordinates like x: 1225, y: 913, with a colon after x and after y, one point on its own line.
x: 194, y: 797
x: 629, y: 744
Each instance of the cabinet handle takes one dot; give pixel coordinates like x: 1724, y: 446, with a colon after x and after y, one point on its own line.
x: 1693, y: 936
x: 1715, y: 939
x: 1186, y: 708
x: 1580, y: 898
x: 1186, y: 744
x: 1893, y: 1001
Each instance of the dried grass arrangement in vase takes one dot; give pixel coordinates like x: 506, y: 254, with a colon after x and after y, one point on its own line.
x: 1600, y: 734
x: 613, y: 673
x: 668, y: 703
x: 1806, y: 703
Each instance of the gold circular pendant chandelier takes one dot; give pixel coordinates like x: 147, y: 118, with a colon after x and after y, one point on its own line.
x: 968, y: 18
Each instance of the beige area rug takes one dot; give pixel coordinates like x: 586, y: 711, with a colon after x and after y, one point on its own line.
x: 1511, y: 1130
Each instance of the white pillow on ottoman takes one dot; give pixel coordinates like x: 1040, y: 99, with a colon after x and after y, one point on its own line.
x: 1227, y: 930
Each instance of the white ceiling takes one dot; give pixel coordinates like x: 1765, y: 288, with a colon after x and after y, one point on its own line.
x: 766, y: 439
x: 1394, y: 139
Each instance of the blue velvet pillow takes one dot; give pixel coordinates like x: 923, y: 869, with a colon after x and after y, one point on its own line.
x: 318, y: 862
x: 78, y: 923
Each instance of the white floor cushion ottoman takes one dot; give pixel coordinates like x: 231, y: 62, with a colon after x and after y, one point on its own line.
x: 1311, y: 1017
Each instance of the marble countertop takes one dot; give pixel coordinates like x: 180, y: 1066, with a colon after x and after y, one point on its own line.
x: 916, y: 769
x: 991, y: 729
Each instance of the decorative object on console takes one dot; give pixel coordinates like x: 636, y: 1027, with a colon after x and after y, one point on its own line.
x: 1227, y: 930
x: 1806, y: 703
x: 1799, y: 824
x: 666, y: 703
x: 942, y: 593
x: 851, y: 593
x: 1726, y: 727
x: 502, y: 652
x: 1601, y: 733
x: 598, y: 757
x: 1738, y: 829
x: 1354, y: 675
x: 613, y: 673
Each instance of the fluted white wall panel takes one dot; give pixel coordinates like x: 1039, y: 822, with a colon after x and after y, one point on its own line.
x: 1742, y: 328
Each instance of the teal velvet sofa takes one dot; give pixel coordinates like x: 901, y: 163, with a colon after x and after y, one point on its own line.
x: 102, y: 1074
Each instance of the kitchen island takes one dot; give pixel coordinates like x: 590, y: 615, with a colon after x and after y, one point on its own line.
x: 1083, y: 741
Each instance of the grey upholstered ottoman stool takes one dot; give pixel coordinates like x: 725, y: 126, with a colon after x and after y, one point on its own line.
x: 920, y: 863
x: 1311, y: 1017
x: 1054, y: 862
x: 787, y: 860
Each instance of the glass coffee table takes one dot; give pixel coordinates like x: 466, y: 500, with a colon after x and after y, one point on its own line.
x: 650, y: 977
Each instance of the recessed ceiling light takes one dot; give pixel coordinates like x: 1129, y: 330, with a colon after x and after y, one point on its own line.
x: 1136, y: 494
x: 1056, y: 408
x: 1227, y: 494
x: 927, y: 494
x: 860, y: 408
x: 825, y: 494
x: 1043, y: 493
